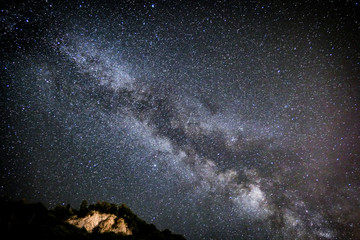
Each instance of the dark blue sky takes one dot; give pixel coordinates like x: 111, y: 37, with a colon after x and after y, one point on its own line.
x: 215, y: 119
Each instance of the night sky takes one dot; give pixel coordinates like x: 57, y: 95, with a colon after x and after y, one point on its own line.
x: 215, y: 119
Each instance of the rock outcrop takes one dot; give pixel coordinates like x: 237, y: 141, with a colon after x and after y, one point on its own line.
x: 103, y: 222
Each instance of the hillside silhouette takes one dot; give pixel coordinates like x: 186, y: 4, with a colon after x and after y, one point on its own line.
x: 22, y: 220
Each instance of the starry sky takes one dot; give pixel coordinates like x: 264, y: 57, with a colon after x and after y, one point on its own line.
x: 215, y: 119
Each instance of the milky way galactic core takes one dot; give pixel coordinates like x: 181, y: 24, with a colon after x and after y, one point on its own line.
x: 215, y: 119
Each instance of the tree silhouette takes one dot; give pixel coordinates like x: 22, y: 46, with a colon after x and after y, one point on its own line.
x: 83, y: 208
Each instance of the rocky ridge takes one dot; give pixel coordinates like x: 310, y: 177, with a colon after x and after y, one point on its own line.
x: 102, y: 221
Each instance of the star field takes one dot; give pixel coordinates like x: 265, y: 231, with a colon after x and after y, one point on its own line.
x: 215, y: 119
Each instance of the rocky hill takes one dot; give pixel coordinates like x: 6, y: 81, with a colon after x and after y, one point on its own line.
x: 21, y: 220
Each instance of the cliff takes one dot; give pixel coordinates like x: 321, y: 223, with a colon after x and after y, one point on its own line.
x: 104, y: 222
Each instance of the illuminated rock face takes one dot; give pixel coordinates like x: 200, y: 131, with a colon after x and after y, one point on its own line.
x: 105, y: 222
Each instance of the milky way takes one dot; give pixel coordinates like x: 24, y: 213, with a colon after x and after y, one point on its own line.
x: 216, y: 120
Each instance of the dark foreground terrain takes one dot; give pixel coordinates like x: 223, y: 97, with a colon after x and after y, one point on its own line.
x: 22, y: 220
